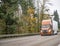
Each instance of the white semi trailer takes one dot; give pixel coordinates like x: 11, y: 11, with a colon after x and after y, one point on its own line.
x: 55, y: 26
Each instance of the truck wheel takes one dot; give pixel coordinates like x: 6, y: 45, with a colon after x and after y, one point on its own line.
x: 41, y: 35
x: 52, y: 33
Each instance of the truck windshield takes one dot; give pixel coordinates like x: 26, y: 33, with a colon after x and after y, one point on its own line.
x: 45, y: 26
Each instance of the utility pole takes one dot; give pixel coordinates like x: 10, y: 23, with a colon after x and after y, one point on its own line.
x: 38, y: 14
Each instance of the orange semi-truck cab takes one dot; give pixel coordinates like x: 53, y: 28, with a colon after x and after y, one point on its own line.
x: 46, y: 28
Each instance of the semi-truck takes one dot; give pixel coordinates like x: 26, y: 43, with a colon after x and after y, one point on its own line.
x: 49, y: 27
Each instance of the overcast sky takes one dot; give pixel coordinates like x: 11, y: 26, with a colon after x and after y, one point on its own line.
x: 55, y: 6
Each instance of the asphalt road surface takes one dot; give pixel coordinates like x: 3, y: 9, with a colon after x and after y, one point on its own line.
x: 36, y: 40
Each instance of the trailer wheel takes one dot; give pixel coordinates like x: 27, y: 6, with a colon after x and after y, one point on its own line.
x: 52, y: 32
x: 41, y: 34
x: 55, y: 34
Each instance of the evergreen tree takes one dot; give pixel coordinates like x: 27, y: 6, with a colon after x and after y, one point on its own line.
x: 56, y: 18
x: 7, y: 10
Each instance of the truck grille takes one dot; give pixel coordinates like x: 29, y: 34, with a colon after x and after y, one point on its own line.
x: 44, y: 31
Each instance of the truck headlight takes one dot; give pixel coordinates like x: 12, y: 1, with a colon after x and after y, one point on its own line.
x: 41, y: 31
x: 49, y: 30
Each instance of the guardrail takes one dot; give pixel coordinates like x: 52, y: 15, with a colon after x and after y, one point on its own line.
x: 17, y: 35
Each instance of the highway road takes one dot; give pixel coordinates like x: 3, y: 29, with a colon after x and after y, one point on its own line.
x: 36, y: 40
